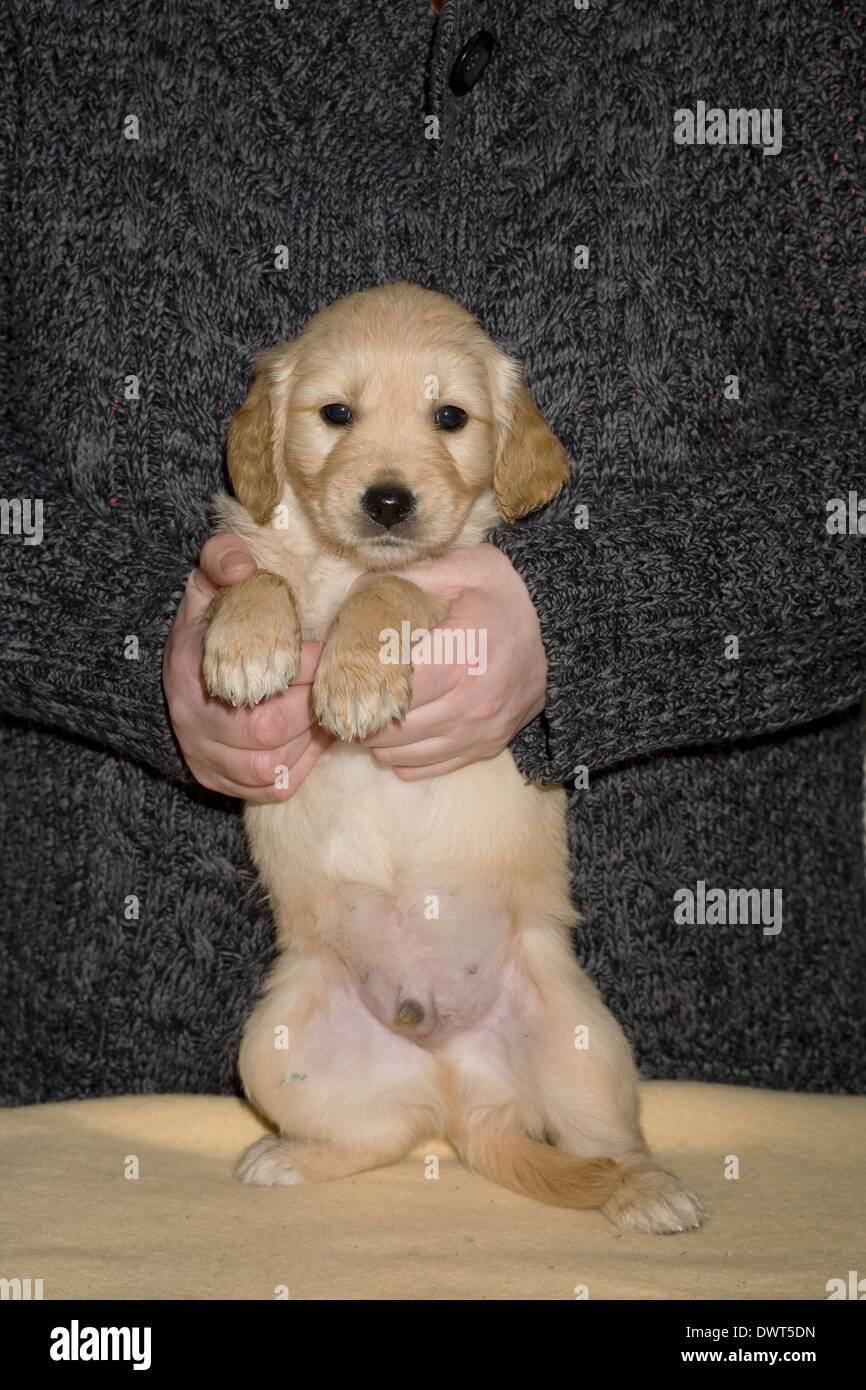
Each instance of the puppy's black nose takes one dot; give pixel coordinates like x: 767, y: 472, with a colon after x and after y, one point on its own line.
x: 388, y: 505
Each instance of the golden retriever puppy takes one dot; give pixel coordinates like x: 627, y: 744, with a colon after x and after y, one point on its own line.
x: 426, y: 982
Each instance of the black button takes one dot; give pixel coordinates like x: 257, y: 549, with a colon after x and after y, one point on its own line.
x: 471, y: 63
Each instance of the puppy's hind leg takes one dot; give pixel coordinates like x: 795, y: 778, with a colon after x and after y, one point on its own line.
x: 586, y: 1084
x: 276, y: 1161
x: 345, y: 1093
x: 494, y: 1118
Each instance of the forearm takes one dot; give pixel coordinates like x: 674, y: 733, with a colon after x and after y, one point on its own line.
x: 86, y: 609
x: 721, y: 609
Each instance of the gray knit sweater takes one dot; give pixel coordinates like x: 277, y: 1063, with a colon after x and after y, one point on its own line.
x: 702, y: 361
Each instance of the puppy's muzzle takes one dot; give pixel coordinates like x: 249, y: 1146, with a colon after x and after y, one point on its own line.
x: 388, y: 504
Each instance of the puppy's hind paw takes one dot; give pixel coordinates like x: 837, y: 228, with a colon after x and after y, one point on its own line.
x: 651, y: 1200
x: 268, y: 1163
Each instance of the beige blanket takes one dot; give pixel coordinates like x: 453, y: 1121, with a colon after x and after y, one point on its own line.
x: 793, y: 1219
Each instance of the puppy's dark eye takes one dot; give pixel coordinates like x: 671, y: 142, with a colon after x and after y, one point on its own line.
x: 451, y: 417
x: 336, y: 414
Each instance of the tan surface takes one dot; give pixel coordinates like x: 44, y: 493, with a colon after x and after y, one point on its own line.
x: 795, y: 1218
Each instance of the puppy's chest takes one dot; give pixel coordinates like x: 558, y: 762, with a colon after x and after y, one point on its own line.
x: 320, y: 586
x: 319, y: 580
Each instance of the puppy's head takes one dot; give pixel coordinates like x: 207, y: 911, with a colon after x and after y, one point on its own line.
x: 390, y: 416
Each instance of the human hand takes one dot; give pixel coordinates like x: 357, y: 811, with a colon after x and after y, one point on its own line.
x: 457, y: 717
x: 236, y: 751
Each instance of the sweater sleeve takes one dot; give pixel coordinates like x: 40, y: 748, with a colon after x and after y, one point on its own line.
x: 86, y: 608
x: 720, y: 606
x: 86, y: 601
x: 719, y: 609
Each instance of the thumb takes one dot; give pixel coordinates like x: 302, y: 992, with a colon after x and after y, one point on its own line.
x: 224, y: 560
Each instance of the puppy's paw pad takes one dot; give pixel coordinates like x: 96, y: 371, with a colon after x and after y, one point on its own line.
x: 651, y: 1200
x: 268, y: 1163
x: 246, y: 669
x: 355, y: 700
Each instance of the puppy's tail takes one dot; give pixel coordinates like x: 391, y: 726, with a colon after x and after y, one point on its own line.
x: 538, y: 1170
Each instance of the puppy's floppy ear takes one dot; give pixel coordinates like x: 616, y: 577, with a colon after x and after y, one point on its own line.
x: 257, y: 435
x: 531, y: 464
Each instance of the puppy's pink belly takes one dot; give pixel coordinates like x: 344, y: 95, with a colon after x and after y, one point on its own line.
x: 425, y: 1005
x: 427, y: 980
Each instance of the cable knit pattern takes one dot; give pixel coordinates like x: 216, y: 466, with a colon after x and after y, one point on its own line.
x: 156, y: 259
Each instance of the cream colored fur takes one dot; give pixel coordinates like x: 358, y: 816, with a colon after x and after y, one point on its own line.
x: 383, y: 1023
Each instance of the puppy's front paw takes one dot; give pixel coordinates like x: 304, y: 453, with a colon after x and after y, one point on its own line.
x: 245, y: 664
x: 267, y: 1163
x: 355, y: 694
x: 651, y: 1200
